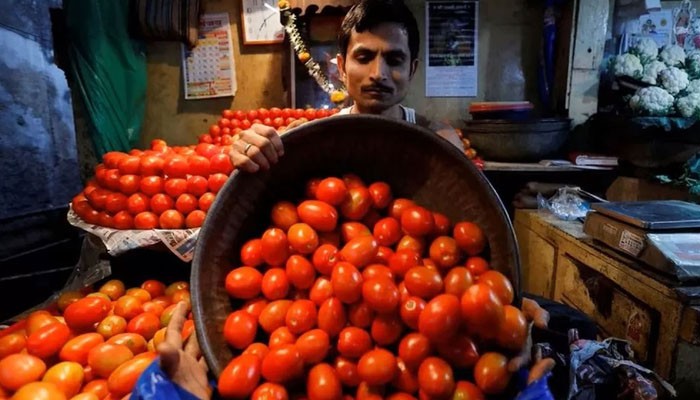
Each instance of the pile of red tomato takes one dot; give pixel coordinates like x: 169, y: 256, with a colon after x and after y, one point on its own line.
x: 233, y: 122
x: 90, y: 346
x: 162, y: 187
x: 353, y: 293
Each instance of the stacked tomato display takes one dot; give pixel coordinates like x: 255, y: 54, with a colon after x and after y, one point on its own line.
x: 353, y: 293
x: 163, y: 187
x: 232, y: 122
x: 89, y: 345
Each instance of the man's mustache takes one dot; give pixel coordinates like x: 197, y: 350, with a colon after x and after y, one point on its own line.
x: 377, y: 88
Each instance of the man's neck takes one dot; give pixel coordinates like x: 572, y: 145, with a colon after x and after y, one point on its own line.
x: 394, y: 112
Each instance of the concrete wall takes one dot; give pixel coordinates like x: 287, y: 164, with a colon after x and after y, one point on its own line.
x: 509, y: 44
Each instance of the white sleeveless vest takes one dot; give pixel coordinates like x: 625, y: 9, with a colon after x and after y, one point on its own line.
x: 409, y: 114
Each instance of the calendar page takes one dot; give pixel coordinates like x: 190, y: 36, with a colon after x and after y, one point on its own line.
x: 208, y: 69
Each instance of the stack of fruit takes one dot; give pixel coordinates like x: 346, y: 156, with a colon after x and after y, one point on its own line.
x: 163, y: 187
x: 90, y: 346
x: 233, y: 122
x: 352, y: 292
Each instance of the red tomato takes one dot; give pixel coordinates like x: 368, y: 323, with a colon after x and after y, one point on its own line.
x: 220, y: 163
x: 274, y: 314
x: 353, y: 342
x: 121, y: 382
x: 352, y: 180
x: 111, y: 180
x: 499, y: 284
x: 380, y: 192
x: 491, y: 373
x: 270, y: 391
x: 417, y: 221
x: 319, y: 215
x: 146, y: 220
x: 313, y: 346
x: 381, y: 294
x: 321, y: 290
x: 367, y: 392
x: 332, y: 191
x: 154, y: 288
x: 48, y: 340
x: 402, y: 261
x: 406, y: 380
x: 460, y: 352
x: 423, y: 282
x: 302, y: 238
x: 360, y: 315
x: 347, y: 282
x: 197, y: 186
x: 359, y: 251
x: 413, y: 349
x: 257, y: 349
x: 457, y: 281
x: 282, y: 364
x: 145, y: 324
x: 347, y: 371
x: 332, y: 316
x: 410, y: 311
x: 467, y: 391
x: 387, y: 231
x: 151, y: 185
x: 377, y: 367
x: 244, y: 283
x: 39, y: 391
x: 442, y: 225
x: 477, y: 266
x: 205, y: 201
x: 275, y: 246
x: 444, y: 251
x: 469, y: 237
x: 85, y: 313
x: 482, y: 310
x: 98, y: 387
x: 128, y: 307
x: 112, y: 158
x: 171, y: 219
x: 435, y: 378
x: 151, y: 165
x: 186, y: 203
x: 115, y: 202
x: 77, y: 348
x: 386, y: 329
x: 301, y: 316
x: 400, y: 396
x: 353, y: 230
x: 323, y: 383
x: 377, y: 271
x: 513, y: 332
x: 135, y: 343
x: 12, y: 343
x: 195, y: 219
x: 251, y: 253
x: 324, y: 259
x: 106, y: 357
x: 300, y: 272
x: 275, y: 284
x: 284, y: 215
x: 176, y: 167
x: 398, y: 206
x: 67, y: 376
x: 440, y: 319
x: 357, y: 204
x: 137, y: 203
x: 199, y: 165
x: 383, y: 255
x: 17, y: 370
x: 240, y: 329
x: 174, y: 187
x: 129, y: 184
x: 216, y: 182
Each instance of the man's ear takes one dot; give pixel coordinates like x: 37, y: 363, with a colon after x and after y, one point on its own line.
x: 414, y: 68
x: 341, y: 66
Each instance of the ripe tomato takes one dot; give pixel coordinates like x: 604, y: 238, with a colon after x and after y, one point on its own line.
x: 145, y: 324
x: 435, y: 378
x: 151, y: 185
x: 380, y: 192
x: 240, y: 329
x: 300, y: 272
x: 106, y: 357
x: 275, y: 285
x: 347, y: 371
x: 313, y: 346
x: 12, y: 343
x: 39, y: 391
x: 442, y: 224
x: 387, y: 231
x: 67, y: 376
x: 240, y: 377
x: 444, y: 251
x: 281, y: 336
x: 423, y: 282
x: 457, y: 281
x: 356, y: 204
x: 274, y: 314
x: 361, y: 315
x: 377, y: 367
x: 123, y: 379
x: 275, y: 247
x: 282, y: 364
x: 195, y: 219
x: 386, y: 329
x: 129, y: 165
x: 161, y: 203
x: 197, y: 186
x: 398, y: 206
x: 146, y: 220
x: 205, y: 201
x: 129, y: 184
x: 85, y: 313
x: 321, y: 216
x: 377, y: 271
x: 499, y: 284
x: 469, y: 237
x: 199, y: 165
x: 111, y: 159
x: 367, y: 392
x: 406, y: 380
x: 115, y: 202
x: 465, y: 390
x: 491, y: 373
x: 513, y: 332
x: 413, y: 349
x: 135, y: 343
x: 270, y: 391
x: 440, y: 319
x: 460, y: 352
x: 174, y: 187
x: 332, y: 316
x: 48, y: 340
x: 417, y: 221
x: 153, y: 287
x: 244, y: 283
x: 323, y: 383
x: 77, y: 348
x: 128, y: 307
x: 171, y: 219
x: 482, y: 310
x: 359, y: 251
x: 301, y: 316
x: 284, y: 215
x: 186, y: 203
x: 400, y: 396
x: 324, y: 259
x: 352, y: 230
x: 257, y: 349
x: 410, y: 311
x: 176, y: 167
x: 111, y: 180
x: 151, y: 165
x: 321, y: 290
x: 302, y: 238
x: 403, y: 260
x: 347, y: 282
x: 381, y: 294
x: 137, y: 203
x: 220, y: 163
x: 332, y: 191
x: 216, y: 182
x: 353, y: 342
x: 98, y: 387
x: 110, y: 326
x: 16, y: 370
x: 477, y: 266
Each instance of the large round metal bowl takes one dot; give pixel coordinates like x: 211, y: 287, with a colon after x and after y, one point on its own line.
x: 416, y: 162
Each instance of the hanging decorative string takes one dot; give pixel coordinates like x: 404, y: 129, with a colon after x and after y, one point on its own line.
x: 289, y: 20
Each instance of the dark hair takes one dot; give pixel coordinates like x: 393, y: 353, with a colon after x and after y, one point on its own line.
x: 367, y: 14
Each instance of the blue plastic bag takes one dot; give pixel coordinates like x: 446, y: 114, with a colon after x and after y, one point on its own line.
x: 154, y: 384
x: 537, y: 390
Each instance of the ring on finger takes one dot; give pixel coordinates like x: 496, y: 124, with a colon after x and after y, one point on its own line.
x: 246, y: 148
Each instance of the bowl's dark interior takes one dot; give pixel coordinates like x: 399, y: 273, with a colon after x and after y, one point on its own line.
x: 415, y: 162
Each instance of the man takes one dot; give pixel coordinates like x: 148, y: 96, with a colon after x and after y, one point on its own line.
x: 379, y: 44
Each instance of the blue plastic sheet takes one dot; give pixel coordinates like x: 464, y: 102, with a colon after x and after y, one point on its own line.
x: 154, y: 384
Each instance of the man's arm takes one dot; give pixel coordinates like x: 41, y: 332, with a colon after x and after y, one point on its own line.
x: 442, y: 129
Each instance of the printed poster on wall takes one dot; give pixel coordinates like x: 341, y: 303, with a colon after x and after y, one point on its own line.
x: 208, y: 69
x: 451, y: 48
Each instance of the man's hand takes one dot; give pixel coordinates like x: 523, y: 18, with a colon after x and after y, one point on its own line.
x: 187, y: 368
x: 538, y: 317
x: 256, y: 148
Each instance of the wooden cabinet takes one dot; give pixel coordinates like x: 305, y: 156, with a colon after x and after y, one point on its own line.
x: 625, y: 299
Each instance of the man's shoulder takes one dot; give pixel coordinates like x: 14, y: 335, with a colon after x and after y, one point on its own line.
x: 443, y: 129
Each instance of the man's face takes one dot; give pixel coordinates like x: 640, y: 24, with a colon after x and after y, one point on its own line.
x: 377, y: 68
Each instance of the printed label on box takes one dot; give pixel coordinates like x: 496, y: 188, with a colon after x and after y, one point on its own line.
x: 631, y: 243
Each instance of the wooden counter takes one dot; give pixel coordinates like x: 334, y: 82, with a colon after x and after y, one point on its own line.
x: 626, y: 299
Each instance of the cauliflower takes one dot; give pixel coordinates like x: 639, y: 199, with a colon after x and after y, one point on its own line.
x: 651, y: 71
x: 693, y: 86
x: 689, y: 106
x: 652, y: 101
x: 627, y: 65
x: 646, y: 49
x: 673, y: 79
x: 673, y: 55
x: 692, y: 64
